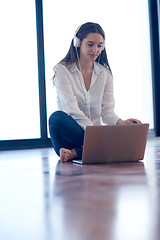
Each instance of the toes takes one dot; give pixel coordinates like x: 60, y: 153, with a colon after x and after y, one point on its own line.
x: 64, y: 154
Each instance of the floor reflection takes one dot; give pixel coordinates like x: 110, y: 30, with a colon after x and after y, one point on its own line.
x: 44, y: 199
x: 152, y: 169
x: 68, y: 169
x: 133, y: 213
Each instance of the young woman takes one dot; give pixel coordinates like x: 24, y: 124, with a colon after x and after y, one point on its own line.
x: 84, y: 84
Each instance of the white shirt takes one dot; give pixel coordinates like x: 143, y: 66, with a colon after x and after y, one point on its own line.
x: 90, y: 107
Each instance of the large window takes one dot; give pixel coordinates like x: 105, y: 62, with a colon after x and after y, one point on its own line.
x: 19, y: 98
x: 23, y: 122
x: 126, y: 24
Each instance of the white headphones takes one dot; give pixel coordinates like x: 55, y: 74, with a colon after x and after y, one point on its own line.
x: 76, y: 42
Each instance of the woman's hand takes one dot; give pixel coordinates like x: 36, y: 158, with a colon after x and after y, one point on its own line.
x: 129, y: 121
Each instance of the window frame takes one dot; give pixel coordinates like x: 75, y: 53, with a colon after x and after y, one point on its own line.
x: 44, y: 141
x: 155, y: 60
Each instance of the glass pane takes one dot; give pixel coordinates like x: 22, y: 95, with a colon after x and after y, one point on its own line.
x: 19, y: 100
x: 126, y: 24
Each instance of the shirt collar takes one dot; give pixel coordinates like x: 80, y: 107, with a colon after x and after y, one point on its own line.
x: 97, y: 68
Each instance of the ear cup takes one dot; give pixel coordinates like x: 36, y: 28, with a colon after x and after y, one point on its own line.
x: 103, y: 45
x: 76, y: 42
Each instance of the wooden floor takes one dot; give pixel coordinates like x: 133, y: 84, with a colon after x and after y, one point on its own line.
x: 43, y: 199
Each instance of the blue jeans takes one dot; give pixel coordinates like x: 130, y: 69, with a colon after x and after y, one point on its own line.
x: 65, y: 132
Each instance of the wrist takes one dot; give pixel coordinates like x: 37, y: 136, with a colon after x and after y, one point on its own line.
x: 120, y: 121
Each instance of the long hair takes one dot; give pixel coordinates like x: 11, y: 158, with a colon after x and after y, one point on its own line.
x: 82, y: 33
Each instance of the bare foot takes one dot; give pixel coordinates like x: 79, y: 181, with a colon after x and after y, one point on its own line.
x: 66, y: 154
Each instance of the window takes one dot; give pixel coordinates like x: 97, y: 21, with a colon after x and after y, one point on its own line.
x: 19, y: 97
x: 126, y: 24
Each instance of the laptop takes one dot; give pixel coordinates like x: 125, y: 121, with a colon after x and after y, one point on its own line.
x: 114, y: 143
